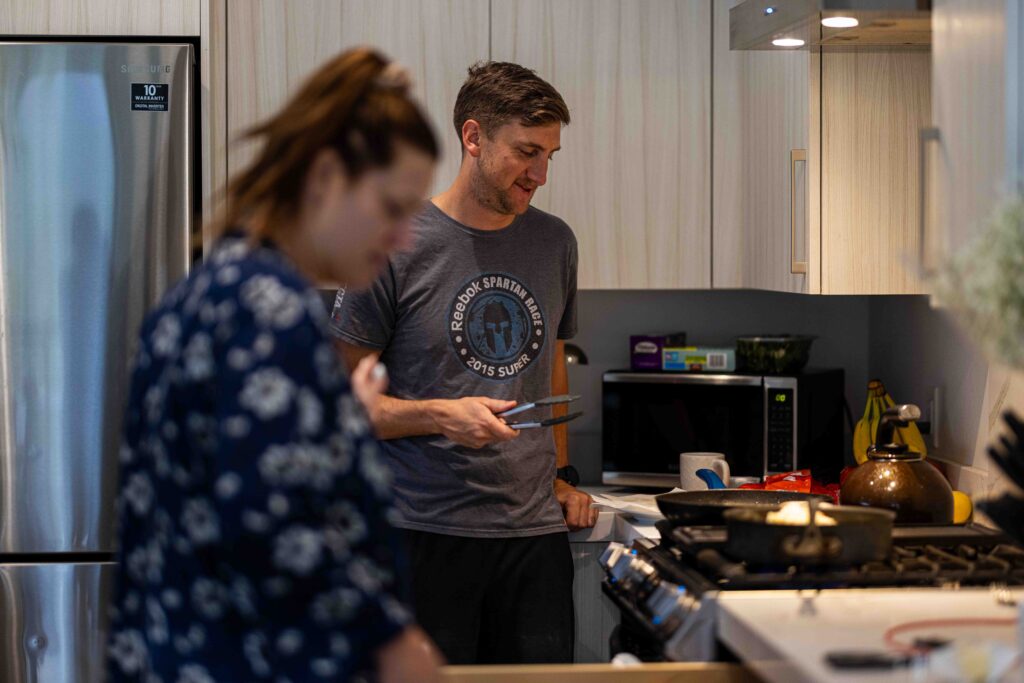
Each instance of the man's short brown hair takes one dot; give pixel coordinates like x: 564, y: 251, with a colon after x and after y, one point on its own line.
x: 496, y: 93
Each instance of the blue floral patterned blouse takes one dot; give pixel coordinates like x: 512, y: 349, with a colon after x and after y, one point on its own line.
x: 254, y: 507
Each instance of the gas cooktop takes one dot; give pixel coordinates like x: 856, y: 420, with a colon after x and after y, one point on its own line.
x: 666, y: 590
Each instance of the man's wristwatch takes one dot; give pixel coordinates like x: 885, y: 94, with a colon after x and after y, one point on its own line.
x: 568, y: 474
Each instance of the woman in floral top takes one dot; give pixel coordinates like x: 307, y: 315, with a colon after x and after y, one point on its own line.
x: 254, y: 537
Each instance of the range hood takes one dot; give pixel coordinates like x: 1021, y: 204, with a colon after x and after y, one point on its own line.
x: 789, y: 24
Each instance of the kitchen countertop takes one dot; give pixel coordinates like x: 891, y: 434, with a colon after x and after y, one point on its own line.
x: 783, y: 636
x: 613, y: 525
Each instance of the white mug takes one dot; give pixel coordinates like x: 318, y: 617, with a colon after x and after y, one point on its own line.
x: 689, y: 463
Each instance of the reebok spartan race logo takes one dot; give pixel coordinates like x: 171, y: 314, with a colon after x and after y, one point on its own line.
x: 496, y: 326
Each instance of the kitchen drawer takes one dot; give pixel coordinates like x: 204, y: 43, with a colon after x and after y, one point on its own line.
x: 600, y: 673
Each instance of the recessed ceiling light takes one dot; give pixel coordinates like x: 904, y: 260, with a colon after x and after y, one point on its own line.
x: 839, y: 22
x: 787, y: 42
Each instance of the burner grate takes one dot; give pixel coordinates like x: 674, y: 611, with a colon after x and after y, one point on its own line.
x: 920, y: 556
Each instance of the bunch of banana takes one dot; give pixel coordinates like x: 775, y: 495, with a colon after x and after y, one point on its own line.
x: 867, y: 428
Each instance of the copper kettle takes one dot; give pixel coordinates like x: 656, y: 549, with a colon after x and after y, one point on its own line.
x: 899, y: 479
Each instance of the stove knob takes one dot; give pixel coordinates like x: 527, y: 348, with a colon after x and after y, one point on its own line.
x: 611, y: 554
x: 619, y: 570
x: 666, y: 601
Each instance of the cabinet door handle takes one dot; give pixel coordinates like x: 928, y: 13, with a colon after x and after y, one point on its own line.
x: 795, y: 155
x: 925, y: 135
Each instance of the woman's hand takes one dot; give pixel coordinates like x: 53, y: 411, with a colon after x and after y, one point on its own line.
x: 411, y: 657
x: 369, y: 382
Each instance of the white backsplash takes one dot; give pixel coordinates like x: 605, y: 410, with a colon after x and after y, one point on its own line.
x: 914, y: 348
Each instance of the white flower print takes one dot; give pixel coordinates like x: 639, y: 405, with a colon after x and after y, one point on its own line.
x: 395, y: 610
x: 146, y: 563
x: 256, y: 522
x: 241, y: 596
x: 323, y: 668
x: 171, y: 598
x: 264, y: 345
x: 200, y: 521
x: 182, y: 645
x: 138, y: 492
x: 228, y: 485
x: 239, y: 359
x: 207, y: 314
x: 125, y: 455
x: 267, y: 393
x: 154, y: 402
x: 209, y: 598
x: 328, y: 369
x: 341, y: 452
x: 289, y: 642
x: 156, y: 621
x: 169, y: 430
x: 166, y: 335
x: 229, y: 252
x: 374, y: 470
x: 277, y: 505
x: 228, y: 275
x: 131, y: 602
x: 344, y: 517
x: 253, y: 645
x: 194, y: 673
x: 272, y: 303
x: 340, y: 647
x: 237, y: 426
x: 351, y: 416
x: 311, y: 412
x: 337, y: 606
x: 128, y: 649
x: 366, y: 575
x: 226, y: 310
x: 203, y: 429
x: 298, y: 549
x: 199, y: 289
x: 198, y: 357
x: 196, y: 635
x: 297, y: 465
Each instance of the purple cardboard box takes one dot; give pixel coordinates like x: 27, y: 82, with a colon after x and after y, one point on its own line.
x: 645, y: 349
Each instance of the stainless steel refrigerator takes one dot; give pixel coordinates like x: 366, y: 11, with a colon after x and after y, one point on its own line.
x: 96, y: 212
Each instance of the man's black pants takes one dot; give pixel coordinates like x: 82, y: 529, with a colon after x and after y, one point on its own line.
x: 494, y: 600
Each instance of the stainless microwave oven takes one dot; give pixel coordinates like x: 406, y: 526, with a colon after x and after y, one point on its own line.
x: 764, y: 424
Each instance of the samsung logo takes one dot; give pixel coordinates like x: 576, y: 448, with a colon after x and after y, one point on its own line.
x: 145, y: 68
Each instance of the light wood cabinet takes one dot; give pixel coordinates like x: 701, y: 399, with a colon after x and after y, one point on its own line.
x: 761, y: 112
x: 100, y: 17
x: 973, y: 70
x: 845, y: 221
x: 633, y: 179
x: 873, y: 105
x: 272, y: 45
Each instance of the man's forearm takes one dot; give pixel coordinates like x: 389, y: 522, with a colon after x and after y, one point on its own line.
x: 394, y: 418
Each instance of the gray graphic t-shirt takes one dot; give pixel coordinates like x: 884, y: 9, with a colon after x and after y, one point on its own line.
x: 471, y: 313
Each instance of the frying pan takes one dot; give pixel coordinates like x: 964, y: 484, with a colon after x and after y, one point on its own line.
x: 860, y: 535
x: 706, y: 507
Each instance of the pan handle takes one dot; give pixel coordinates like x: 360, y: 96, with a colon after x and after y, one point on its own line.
x: 812, y: 544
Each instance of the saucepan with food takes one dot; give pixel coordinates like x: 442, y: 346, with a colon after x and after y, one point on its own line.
x: 809, y: 533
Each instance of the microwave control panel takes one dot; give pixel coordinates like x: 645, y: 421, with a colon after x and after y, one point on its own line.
x: 781, y: 427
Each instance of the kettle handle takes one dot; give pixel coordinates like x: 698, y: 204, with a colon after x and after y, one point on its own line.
x: 893, y: 417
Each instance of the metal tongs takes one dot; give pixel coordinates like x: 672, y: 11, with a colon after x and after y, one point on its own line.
x: 541, y: 403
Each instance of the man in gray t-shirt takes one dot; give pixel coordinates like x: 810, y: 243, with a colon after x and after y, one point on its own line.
x: 469, y: 322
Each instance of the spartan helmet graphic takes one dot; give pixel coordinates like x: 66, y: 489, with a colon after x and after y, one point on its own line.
x: 497, y: 328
